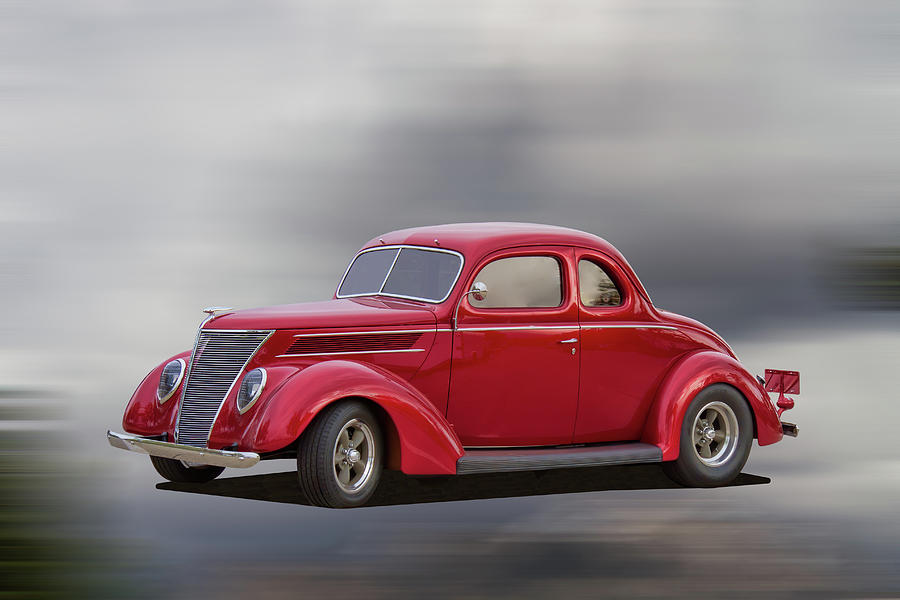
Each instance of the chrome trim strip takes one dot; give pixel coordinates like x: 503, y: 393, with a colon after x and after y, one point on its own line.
x: 391, y: 268
x: 187, y: 375
x: 200, y: 330
x: 518, y: 328
x: 255, y: 397
x: 231, y: 387
x: 372, y: 332
x: 191, y: 454
x: 631, y: 326
x: 462, y: 262
x: 486, y: 328
x: 352, y: 352
x: 174, y: 387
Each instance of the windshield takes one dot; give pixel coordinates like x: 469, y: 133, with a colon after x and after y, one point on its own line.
x: 404, y: 272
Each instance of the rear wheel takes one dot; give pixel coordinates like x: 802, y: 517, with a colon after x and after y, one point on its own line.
x: 716, y: 435
x: 179, y: 472
x: 340, y: 456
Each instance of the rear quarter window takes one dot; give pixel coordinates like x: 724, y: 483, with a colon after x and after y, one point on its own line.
x: 595, y: 285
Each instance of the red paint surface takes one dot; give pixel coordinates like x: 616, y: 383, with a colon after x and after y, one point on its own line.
x: 690, y: 375
x: 634, y: 370
x: 515, y: 387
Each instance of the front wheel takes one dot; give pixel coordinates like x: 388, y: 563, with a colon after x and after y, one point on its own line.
x: 340, y: 456
x: 716, y: 435
x: 179, y: 472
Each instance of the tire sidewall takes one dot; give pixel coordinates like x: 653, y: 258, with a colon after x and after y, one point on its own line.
x: 178, y: 472
x: 691, y: 469
x: 334, y: 421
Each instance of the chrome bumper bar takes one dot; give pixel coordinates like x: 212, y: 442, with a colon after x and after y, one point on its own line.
x: 189, y: 454
x: 789, y: 429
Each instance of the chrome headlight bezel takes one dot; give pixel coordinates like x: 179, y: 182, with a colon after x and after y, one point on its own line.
x: 247, y: 396
x: 161, y: 395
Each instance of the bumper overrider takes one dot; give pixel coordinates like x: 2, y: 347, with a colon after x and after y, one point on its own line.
x: 188, y: 454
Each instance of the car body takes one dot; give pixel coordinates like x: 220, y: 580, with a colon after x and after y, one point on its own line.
x: 457, y: 348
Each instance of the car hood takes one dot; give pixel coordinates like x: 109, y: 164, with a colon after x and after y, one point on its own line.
x: 348, y: 312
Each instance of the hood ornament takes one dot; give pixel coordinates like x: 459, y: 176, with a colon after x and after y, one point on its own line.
x: 212, y: 312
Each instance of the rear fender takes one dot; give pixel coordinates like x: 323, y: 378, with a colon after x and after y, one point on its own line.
x: 427, y: 442
x: 690, y: 375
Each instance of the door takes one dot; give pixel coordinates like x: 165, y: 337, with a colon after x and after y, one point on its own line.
x: 624, y: 353
x: 514, y: 372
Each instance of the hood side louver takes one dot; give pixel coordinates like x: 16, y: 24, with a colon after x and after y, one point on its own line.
x: 374, y: 342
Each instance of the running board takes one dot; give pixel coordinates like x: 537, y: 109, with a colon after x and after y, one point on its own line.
x: 535, y: 459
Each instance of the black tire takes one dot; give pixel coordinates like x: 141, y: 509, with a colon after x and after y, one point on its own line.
x: 318, y: 470
x: 709, y: 410
x: 175, y: 470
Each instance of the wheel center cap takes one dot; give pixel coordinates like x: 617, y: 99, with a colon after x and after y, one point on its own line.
x: 709, y: 433
x: 352, y: 455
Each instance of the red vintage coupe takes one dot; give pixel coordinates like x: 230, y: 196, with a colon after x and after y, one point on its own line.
x: 458, y: 349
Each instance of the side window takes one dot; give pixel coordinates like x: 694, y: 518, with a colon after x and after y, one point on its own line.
x: 596, y: 286
x: 521, y: 282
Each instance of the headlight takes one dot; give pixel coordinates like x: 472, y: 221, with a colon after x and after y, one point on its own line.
x: 251, y: 388
x: 170, y: 379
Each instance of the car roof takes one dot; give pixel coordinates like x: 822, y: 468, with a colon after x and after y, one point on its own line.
x: 476, y: 239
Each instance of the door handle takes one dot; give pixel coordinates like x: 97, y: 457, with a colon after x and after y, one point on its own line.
x: 569, y: 341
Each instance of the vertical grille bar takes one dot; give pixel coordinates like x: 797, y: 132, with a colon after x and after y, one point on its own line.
x: 218, y: 359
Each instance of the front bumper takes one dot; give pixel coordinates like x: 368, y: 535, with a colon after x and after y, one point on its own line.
x: 189, y: 454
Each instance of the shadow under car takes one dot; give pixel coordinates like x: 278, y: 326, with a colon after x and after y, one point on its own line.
x: 397, y: 489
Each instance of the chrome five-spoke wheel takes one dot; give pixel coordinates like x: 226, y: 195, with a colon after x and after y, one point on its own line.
x: 716, y: 434
x: 340, y: 456
x: 354, y: 456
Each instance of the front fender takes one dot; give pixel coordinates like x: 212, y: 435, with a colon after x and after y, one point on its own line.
x: 428, y: 444
x: 144, y: 415
x: 690, y: 375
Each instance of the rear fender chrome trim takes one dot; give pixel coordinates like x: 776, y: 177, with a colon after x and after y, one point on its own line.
x: 519, y: 328
x: 629, y: 326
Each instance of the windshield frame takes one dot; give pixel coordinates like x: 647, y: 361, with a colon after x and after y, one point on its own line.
x: 400, y: 247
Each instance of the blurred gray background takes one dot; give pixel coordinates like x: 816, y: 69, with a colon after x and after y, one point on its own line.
x: 158, y: 157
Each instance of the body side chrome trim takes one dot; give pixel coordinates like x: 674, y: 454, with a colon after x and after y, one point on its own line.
x: 487, y: 328
x: 352, y: 352
x: 372, y: 332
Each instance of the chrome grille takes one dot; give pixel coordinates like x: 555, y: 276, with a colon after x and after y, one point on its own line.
x: 219, y: 358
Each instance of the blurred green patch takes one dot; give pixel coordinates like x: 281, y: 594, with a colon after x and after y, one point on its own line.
x: 42, y: 552
x: 867, y: 278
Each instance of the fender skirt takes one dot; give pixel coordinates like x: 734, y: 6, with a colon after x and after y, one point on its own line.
x: 690, y: 375
x: 427, y: 443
